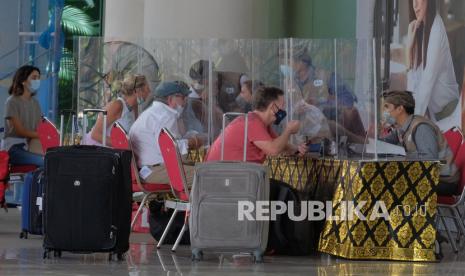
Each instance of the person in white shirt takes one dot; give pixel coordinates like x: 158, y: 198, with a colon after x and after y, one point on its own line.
x: 165, y: 112
x: 431, y: 75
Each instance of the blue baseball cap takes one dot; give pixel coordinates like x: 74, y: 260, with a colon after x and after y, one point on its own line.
x: 168, y: 88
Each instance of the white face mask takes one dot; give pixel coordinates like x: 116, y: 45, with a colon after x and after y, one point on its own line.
x: 179, y: 109
x: 34, y: 86
x: 197, y: 86
x: 388, y: 118
x: 285, y: 70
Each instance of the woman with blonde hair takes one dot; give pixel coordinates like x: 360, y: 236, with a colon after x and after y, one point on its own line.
x: 124, y: 109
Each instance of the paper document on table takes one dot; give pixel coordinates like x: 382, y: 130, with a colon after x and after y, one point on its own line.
x: 384, y: 148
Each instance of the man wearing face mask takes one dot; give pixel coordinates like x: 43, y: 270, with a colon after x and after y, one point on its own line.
x: 195, y: 116
x: 170, y: 99
x: 420, y: 137
x: 308, y: 88
x: 244, y: 99
x: 262, y: 141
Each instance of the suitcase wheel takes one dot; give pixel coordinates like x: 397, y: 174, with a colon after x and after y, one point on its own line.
x: 197, y: 255
x: 119, y: 257
x: 57, y: 253
x: 46, y: 254
x: 23, y: 235
x: 258, y: 256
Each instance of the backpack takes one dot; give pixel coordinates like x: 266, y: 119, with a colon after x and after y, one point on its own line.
x: 159, y: 217
x: 287, y: 237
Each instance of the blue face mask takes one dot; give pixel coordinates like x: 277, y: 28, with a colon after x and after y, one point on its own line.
x: 388, y: 118
x: 280, y: 115
x: 34, y: 86
x: 140, y: 100
x: 285, y: 70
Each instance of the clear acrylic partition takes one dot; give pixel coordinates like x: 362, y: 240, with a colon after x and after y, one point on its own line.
x: 354, y: 99
x: 91, y: 82
x: 241, y: 66
x: 103, y: 64
x: 328, y: 83
x: 230, y: 60
x: 309, y: 64
x: 188, y: 61
x: 329, y: 88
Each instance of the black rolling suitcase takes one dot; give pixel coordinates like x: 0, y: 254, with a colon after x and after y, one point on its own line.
x: 31, y: 203
x: 88, y: 198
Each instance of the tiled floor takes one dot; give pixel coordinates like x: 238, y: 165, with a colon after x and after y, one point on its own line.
x: 24, y: 257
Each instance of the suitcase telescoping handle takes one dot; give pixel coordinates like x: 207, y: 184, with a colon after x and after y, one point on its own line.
x: 62, y: 119
x: 246, y: 129
x: 104, y: 126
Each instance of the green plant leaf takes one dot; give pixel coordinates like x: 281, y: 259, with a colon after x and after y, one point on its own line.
x: 90, y: 3
x: 67, y: 67
x: 77, y: 22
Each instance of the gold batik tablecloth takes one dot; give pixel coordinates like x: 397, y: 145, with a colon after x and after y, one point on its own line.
x: 407, y: 189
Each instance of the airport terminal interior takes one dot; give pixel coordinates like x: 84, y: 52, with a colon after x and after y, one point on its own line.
x: 232, y: 137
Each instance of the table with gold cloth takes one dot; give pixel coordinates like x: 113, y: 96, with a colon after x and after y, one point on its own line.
x: 407, y: 189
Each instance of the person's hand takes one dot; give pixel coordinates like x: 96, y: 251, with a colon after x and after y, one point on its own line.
x: 293, y: 126
x: 386, y: 130
x: 301, y: 106
x: 416, y: 25
x: 302, y: 149
x: 413, y: 27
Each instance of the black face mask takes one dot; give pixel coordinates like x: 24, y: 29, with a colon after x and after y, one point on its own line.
x: 280, y: 115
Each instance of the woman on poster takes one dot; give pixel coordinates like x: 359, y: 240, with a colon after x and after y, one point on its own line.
x: 431, y: 75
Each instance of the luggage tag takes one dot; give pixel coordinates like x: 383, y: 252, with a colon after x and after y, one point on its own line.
x: 39, y: 202
x: 145, y: 172
x: 145, y: 218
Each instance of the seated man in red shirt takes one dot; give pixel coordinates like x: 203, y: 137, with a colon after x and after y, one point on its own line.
x: 262, y: 141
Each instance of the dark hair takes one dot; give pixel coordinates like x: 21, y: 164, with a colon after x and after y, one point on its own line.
x: 401, y: 98
x: 264, y: 95
x: 199, y: 70
x: 21, y: 76
x: 410, y: 110
x: 302, y: 55
x: 420, y: 43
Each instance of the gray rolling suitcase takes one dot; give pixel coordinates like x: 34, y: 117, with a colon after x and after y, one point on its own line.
x: 216, y: 191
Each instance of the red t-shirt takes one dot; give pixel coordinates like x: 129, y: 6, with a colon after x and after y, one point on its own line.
x: 234, y: 140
